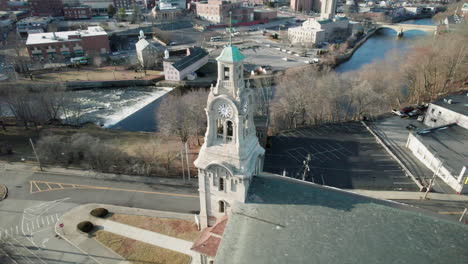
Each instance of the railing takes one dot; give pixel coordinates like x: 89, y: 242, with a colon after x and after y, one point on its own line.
x: 224, y: 139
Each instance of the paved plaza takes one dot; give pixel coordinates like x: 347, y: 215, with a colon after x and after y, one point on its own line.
x: 342, y: 155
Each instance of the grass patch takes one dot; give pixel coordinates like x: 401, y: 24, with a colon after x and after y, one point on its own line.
x: 178, y: 228
x: 138, y: 252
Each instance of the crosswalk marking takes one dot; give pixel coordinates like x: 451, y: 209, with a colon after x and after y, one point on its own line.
x: 35, y: 188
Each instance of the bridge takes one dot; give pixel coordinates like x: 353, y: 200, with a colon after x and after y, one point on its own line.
x: 401, y: 28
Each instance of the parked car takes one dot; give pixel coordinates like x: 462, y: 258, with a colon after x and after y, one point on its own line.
x: 415, y: 112
x: 399, y: 113
x: 411, y: 127
x: 407, y: 109
x: 422, y: 107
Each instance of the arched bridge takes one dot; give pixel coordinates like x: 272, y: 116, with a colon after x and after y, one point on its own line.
x: 401, y: 28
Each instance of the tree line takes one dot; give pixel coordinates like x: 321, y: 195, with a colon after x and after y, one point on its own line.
x: 32, y: 107
x: 434, y: 66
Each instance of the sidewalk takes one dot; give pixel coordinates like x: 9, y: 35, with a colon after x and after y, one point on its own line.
x: 397, y: 195
x: 102, y: 254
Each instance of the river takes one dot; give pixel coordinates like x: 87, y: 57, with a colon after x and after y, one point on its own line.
x: 381, y: 43
x: 137, y: 111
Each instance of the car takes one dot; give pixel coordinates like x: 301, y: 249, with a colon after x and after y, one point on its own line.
x: 422, y: 107
x: 415, y: 112
x: 411, y: 127
x: 399, y: 113
x: 407, y: 109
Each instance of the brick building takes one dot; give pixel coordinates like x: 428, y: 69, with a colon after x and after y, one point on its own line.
x: 98, y: 7
x: 77, y: 12
x: 262, y: 14
x: 3, y: 4
x: 217, y: 11
x: 46, y: 7
x: 67, y: 44
x: 306, y: 5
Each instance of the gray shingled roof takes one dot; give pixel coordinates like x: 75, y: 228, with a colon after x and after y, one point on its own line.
x: 195, y: 55
x: 287, y: 221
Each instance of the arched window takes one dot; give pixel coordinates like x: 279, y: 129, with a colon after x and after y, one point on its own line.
x: 222, y: 206
x: 226, y: 73
x: 221, y: 184
x: 219, y: 129
x: 230, y: 130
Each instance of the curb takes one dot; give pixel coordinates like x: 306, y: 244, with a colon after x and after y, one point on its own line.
x: 3, y: 189
x: 382, y: 143
x: 76, y: 172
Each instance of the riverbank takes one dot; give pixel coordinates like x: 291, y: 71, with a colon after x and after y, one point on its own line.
x: 339, y: 59
x: 86, y: 78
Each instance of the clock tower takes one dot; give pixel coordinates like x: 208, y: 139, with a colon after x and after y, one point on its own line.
x: 231, y: 154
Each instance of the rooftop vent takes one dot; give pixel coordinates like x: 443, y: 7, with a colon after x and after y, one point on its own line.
x: 450, y: 101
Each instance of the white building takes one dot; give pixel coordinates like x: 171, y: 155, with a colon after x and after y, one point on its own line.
x: 413, y: 10
x: 148, y: 54
x: 315, y: 31
x: 443, y: 147
x: 319, y: 30
x: 177, y: 69
x: 449, y: 110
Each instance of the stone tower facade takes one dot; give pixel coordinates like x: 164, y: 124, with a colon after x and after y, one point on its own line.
x: 231, y: 154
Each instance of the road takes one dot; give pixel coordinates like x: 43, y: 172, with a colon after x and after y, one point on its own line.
x: 36, y: 201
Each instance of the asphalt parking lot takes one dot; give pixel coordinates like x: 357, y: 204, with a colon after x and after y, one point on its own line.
x: 342, y: 155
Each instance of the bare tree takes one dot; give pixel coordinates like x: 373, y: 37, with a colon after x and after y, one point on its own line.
x: 173, y: 117
x: 183, y: 115
x: 195, y: 101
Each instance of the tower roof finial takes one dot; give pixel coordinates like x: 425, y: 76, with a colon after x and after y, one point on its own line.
x: 230, y: 28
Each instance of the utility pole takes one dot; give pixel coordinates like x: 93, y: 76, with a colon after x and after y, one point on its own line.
x: 35, y: 154
x: 187, y: 159
x: 182, y: 162
x: 306, y: 166
x: 432, y: 181
x: 463, y: 215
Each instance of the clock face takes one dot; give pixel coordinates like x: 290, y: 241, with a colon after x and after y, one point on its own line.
x: 224, y: 110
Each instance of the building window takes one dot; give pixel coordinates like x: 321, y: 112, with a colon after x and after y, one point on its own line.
x: 221, y: 184
x: 230, y: 129
x: 233, y: 185
x: 226, y: 73
x: 222, y: 207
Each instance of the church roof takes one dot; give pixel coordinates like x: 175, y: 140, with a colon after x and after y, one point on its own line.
x: 231, y: 54
x: 289, y: 221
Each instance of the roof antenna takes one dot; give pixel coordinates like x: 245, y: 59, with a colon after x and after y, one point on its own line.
x: 230, y: 28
